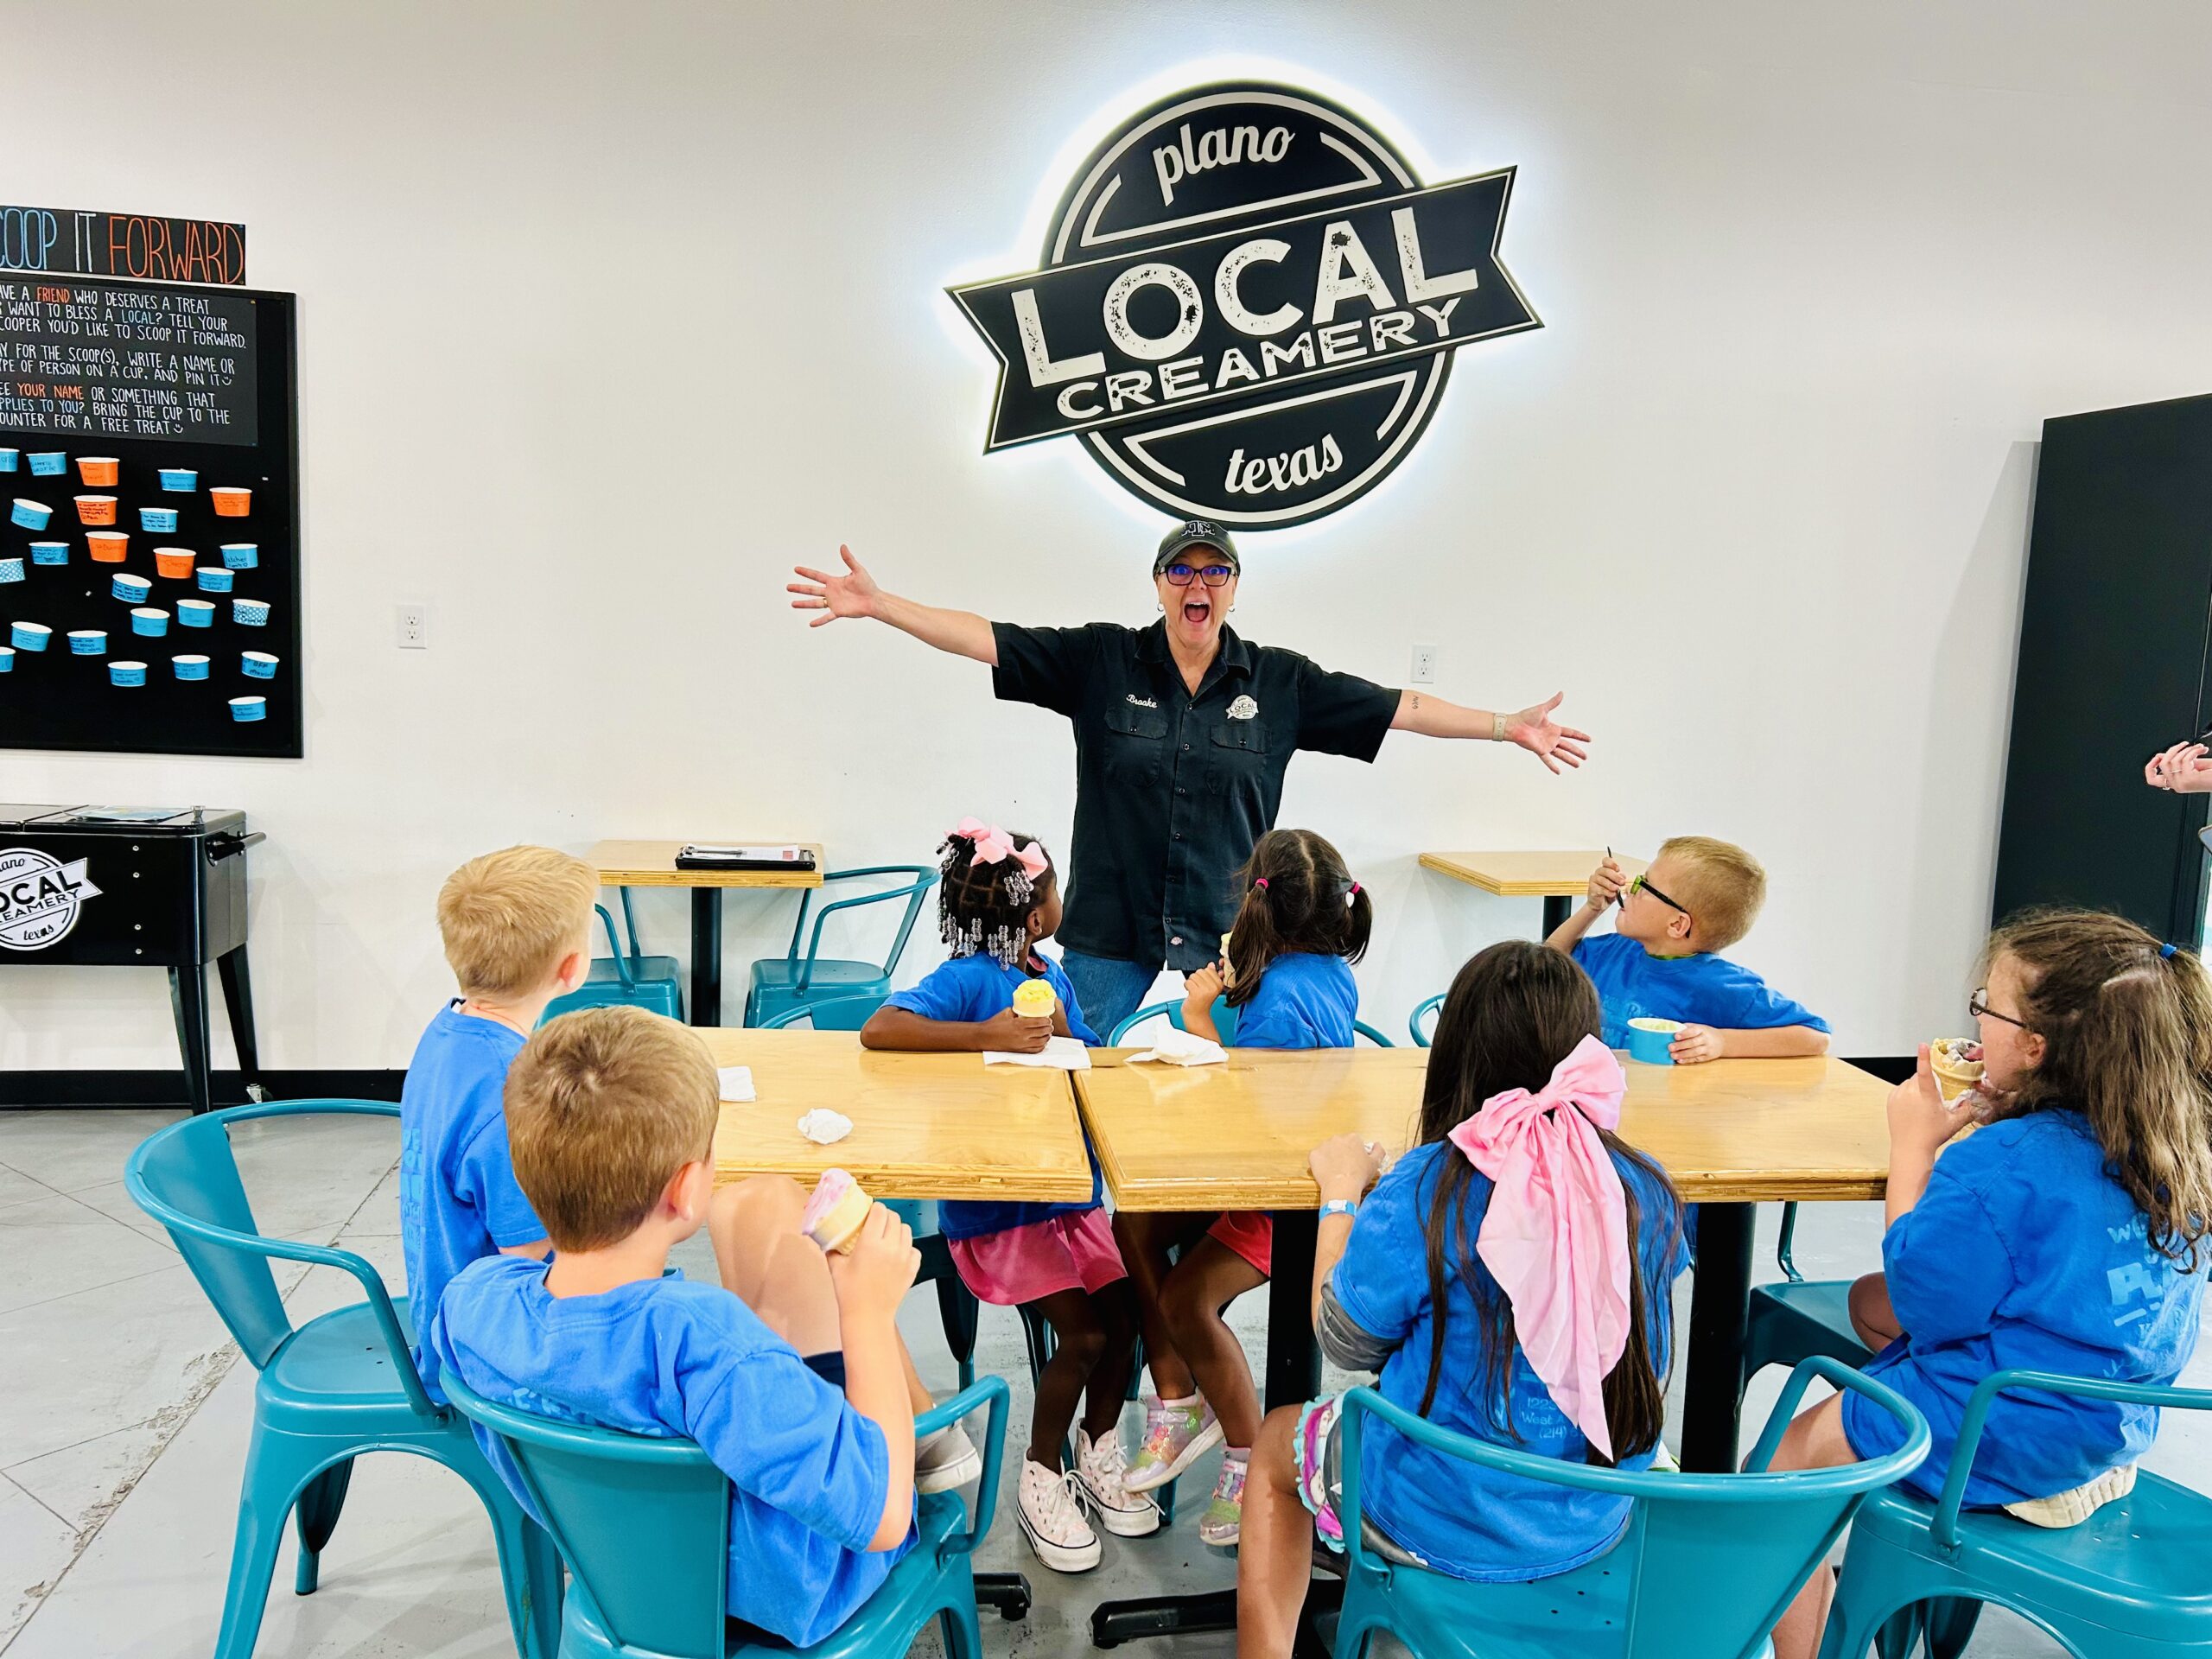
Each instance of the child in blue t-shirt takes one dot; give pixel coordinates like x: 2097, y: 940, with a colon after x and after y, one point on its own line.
x: 999, y: 899
x: 1287, y: 970
x: 801, y: 1398
x: 1453, y: 1284
x: 1699, y: 897
x: 516, y: 925
x: 2067, y: 1233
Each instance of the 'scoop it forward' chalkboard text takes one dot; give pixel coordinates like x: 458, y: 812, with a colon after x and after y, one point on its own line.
x: 1248, y: 306
x: 95, y: 359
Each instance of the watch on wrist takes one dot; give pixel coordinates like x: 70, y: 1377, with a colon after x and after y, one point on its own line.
x: 1497, y: 728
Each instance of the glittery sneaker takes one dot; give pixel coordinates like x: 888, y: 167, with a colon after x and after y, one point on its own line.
x: 1102, y: 1466
x: 1175, y: 1437
x: 1222, y: 1523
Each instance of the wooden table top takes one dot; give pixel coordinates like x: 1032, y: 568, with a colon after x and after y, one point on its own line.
x: 1526, y: 875
x: 1235, y: 1137
x: 652, y: 864
x: 924, y: 1125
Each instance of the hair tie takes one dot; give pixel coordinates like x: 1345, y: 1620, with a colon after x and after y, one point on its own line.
x: 1355, y: 887
x: 1262, y: 882
x: 2166, y: 950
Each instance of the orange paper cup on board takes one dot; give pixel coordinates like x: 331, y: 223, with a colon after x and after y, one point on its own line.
x: 95, y: 509
x: 98, y: 471
x: 229, y: 500
x: 106, y: 546
x: 174, y: 562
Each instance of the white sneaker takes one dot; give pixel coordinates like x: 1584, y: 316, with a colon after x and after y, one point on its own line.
x: 1052, y: 1519
x: 1100, y: 1466
x: 946, y: 1459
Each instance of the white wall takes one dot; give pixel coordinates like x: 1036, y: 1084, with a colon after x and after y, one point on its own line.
x: 1756, y: 496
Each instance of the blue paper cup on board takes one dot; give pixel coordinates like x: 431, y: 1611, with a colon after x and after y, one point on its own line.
x: 7, y: 659
x: 246, y: 708
x: 250, y: 613
x: 180, y: 481
x: 131, y: 590
x: 1651, y: 1041
x: 258, y: 665
x: 213, y: 579
x: 31, y: 515
x: 10, y: 459
x: 51, y: 463
x: 189, y: 667
x: 241, y: 556
x: 49, y: 552
x: 149, y: 619
x: 30, y: 636
x: 11, y: 570
x: 195, y: 614
x: 161, y: 520
x: 126, y: 673
x: 88, y: 642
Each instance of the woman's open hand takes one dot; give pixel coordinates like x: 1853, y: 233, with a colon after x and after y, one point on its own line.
x: 1534, y: 730
x: 852, y: 593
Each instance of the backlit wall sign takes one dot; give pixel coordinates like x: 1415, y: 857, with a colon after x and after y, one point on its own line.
x: 1248, y: 306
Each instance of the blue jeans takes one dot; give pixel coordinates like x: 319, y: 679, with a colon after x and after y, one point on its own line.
x: 1109, y: 989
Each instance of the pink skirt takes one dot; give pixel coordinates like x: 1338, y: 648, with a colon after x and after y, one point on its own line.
x: 1024, y: 1264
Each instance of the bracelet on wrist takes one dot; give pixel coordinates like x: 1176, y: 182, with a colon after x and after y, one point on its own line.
x: 1339, y: 1207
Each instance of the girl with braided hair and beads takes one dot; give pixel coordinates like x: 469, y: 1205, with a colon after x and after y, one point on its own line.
x: 999, y: 899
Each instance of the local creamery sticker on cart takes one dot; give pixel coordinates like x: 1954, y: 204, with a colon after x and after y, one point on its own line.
x: 1246, y: 306
x: 40, y: 898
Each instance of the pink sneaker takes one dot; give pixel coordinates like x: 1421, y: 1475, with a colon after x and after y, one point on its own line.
x: 1175, y: 1437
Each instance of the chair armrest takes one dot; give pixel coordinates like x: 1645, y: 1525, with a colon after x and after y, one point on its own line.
x: 984, y: 1390
x: 912, y: 892
x: 1844, y: 1379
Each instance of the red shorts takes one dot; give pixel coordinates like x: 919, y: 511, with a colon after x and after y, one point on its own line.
x: 1023, y: 1264
x: 1251, y: 1234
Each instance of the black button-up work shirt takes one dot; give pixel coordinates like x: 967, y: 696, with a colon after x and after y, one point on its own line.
x: 1171, y: 790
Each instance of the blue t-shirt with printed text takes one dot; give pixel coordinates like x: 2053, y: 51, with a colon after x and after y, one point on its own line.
x: 2026, y: 1253
x: 1304, y: 1000
x: 808, y: 1473
x: 976, y: 988
x: 1471, y: 1521
x: 1700, y: 990
x: 458, y: 1197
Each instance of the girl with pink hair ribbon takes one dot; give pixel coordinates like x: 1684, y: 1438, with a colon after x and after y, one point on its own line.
x: 1539, y: 1316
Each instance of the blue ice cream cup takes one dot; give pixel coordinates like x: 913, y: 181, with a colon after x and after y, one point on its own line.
x: 88, y: 642
x: 180, y: 481
x: 9, y: 459
x: 11, y: 570
x: 195, y: 614
x: 7, y: 659
x: 241, y: 556
x: 126, y: 673
x: 245, y: 709
x: 49, y: 552
x: 189, y: 667
x: 250, y: 613
x: 149, y: 619
x: 31, y: 515
x: 258, y: 665
x: 131, y: 590
x: 30, y: 636
x: 49, y: 463
x: 213, y: 579
x: 161, y: 520
x: 1652, y: 1040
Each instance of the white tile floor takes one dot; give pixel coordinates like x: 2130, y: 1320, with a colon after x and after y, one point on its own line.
x: 124, y: 1415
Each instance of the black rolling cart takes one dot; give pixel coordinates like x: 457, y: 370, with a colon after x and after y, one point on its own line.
x: 112, y: 887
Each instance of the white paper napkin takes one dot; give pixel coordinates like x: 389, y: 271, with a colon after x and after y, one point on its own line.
x: 825, y: 1128
x: 1178, y: 1047
x: 1060, y: 1053
x: 736, y: 1082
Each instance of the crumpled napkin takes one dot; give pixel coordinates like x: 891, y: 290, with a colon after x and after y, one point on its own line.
x: 1175, y: 1046
x: 1061, y: 1053
x: 825, y: 1128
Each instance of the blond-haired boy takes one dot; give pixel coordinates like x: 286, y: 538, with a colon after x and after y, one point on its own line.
x: 611, y: 1115
x: 1699, y: 897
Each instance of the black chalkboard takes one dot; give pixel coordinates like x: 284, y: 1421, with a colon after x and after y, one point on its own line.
x: 160, y: 379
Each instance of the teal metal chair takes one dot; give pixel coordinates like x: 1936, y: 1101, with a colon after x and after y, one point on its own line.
x: 1792, y: 1317
x: 1421, y: 1009
x: 1224, y: 1022
x: 623, y: 979
x: 1708, y: 1565
x: 643, y: 1525
x: 2129, y: 1582
x: 956, y: 1307
x: 339, y: 1385
x: 779, y: 983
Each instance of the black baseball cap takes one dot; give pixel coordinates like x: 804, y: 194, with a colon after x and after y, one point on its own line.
x: 1196, y: 532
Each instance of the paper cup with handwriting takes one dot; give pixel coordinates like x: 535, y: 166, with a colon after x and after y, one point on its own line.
x: 30, y: 636
x: 7, y: 659
x: 161, y: 521
x: 259, y: 665
x: 99, y: 472
x: 133, y: 590
x: 189, y: 667
x: 1652, y: 1040
x: 245, y: 709
x: 49, y: 552
x: 195, y: 614
x: 107, y: 546
x: 213, y: 579
x: 95, y: 509
x: 229, y: 500
x: 31, y: 515
x: 51, y: 463
x: 8, y: 458
x: 126, y: 673
x: 241, y: 556
x: 88, y: 642
x: 11, y: 569
x: 149, y: 619
x: 174, y: 562
x: 180, y: 481
x: 250, y: 613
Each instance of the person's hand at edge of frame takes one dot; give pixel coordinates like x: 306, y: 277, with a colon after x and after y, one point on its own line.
x: 1534, y: 730
x: 850, y: 594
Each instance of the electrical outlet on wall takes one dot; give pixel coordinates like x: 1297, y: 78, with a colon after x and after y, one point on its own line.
x: 1424, y: 670
x: 414, y: 627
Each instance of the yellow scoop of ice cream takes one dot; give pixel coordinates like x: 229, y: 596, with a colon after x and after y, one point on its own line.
x: 1033, y: 1000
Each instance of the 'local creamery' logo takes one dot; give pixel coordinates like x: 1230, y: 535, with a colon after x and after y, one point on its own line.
x: 40, y: 898
x: 1248, y: 306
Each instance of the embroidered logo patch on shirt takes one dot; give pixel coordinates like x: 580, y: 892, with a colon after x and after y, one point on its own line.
x: 1243, y: 708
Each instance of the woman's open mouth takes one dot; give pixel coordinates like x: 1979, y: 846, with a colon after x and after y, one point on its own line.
x: 1196, y: 611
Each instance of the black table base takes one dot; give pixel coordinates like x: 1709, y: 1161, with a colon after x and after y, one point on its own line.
x: 1720, y: 1304
x: 1558, y: 907
x: 706, y: 956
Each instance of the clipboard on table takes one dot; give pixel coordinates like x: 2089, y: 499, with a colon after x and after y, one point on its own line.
x: 702, y: 856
